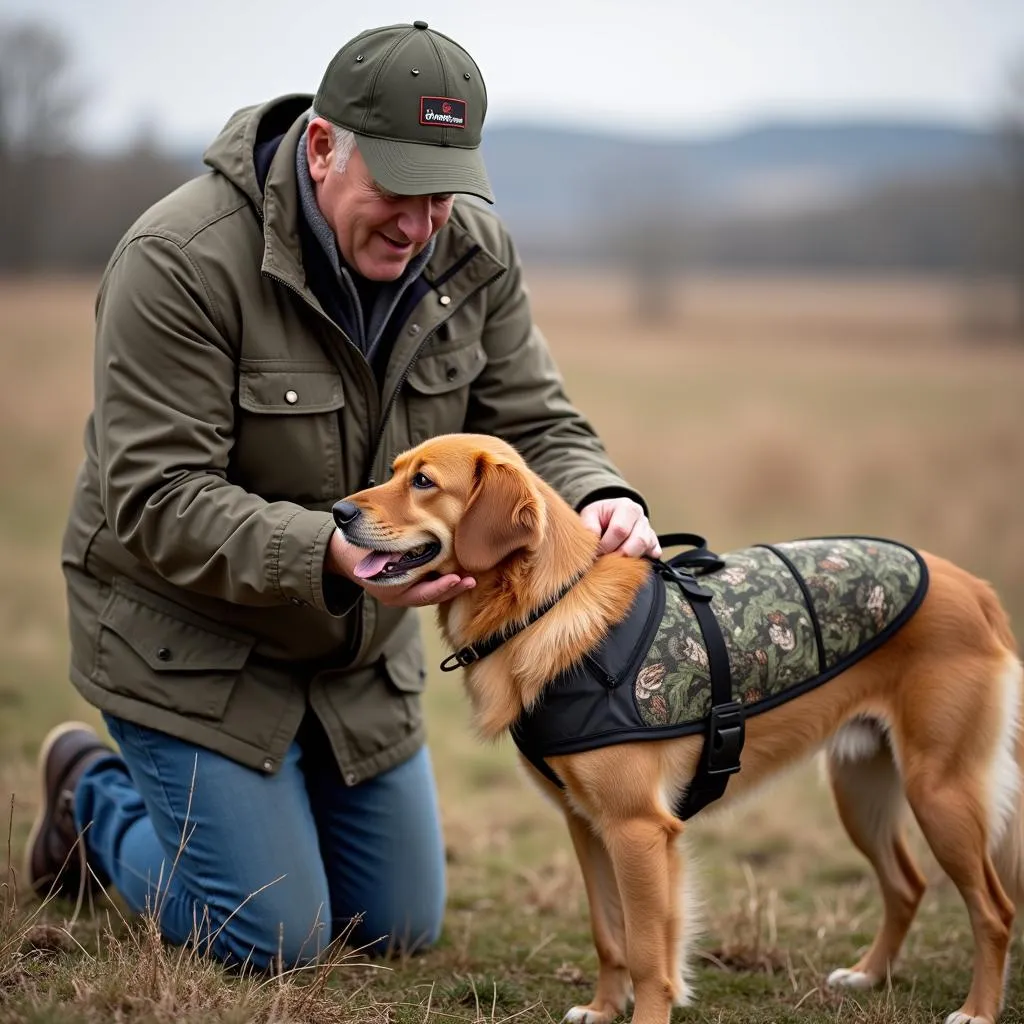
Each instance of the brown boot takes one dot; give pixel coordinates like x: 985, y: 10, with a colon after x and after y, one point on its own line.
x: 55, y: 853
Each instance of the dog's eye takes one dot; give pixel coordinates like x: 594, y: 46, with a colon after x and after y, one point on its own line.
x: 422, y: 482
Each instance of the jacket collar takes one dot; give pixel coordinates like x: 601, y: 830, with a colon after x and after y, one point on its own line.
x: 461, y: 263
x: 282, y: 211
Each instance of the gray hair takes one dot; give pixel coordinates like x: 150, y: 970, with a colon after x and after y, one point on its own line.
x: 344, y: 141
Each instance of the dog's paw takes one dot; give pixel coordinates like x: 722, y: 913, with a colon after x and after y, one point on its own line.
x: 959, y: 1017
x: 587, y: 1015
x: 844, y: 977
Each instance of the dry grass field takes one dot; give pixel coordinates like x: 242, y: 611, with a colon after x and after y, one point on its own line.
x: 767, y: 410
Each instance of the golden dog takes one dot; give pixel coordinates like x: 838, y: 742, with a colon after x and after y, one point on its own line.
x: 938, y: 703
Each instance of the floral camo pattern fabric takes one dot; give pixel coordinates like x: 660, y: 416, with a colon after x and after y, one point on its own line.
x: 857, y: 588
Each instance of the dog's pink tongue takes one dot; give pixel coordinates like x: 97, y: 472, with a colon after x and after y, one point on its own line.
x: 373, y: 563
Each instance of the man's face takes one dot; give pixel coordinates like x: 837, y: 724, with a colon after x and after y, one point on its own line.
x: 377, y: 232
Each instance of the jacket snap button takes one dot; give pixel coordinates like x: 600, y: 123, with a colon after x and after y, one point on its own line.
x: 350, y: 778
x: 164, y: 654
x: 445, y: 300
x: 451, y: 373
x: 291, y: 397
x: 414, y: 328
x: 297, y: 601
x: 268, y: 765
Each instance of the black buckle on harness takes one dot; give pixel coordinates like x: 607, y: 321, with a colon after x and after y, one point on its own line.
x: 724, y: 742
x: 687, y: 581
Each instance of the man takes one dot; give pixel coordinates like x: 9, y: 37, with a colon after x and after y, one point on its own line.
x: 267, y: 338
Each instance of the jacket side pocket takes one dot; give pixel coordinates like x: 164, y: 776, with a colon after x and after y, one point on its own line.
x: 145, y: 652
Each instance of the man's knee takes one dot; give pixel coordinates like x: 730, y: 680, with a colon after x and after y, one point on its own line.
x: 276, y: 934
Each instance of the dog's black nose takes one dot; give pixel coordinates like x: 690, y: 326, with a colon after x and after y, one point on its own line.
x: 345, y: 513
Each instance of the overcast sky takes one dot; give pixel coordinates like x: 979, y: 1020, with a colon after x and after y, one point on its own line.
x: 671, y: 67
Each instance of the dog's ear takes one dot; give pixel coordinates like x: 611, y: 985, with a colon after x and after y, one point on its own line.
x: 503, y: 515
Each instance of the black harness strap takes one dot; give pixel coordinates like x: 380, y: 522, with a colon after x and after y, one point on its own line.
x: 542, y: 766
x: 723, y: 743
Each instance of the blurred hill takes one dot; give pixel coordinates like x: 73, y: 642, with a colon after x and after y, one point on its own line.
x: 770, y: 168
x: 869, y: 194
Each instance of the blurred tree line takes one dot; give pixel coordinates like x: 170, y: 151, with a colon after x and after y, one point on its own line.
x: 1013, y: 181
x: 63, y: 206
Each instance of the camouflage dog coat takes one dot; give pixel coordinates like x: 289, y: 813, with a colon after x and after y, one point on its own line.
x: 763, y: 625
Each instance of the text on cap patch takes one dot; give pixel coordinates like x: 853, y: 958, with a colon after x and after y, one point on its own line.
x: 444, y: 111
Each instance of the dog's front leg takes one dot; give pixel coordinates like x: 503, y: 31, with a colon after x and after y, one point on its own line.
x: 647, y: 861
x: 606, y: 926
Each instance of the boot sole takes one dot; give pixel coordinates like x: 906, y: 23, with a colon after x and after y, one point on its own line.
x: 43, y: 817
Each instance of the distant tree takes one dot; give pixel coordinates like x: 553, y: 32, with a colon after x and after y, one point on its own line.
x: 641, y: 231
x: 648, y: 244
x: 1012, y: 124
x: 39, y: 103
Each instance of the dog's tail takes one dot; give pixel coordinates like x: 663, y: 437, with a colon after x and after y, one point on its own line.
x: 996, y: 617
x: 1008, y: 785
x: 1006, y: 778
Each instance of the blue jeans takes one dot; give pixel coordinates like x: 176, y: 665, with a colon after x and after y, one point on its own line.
x: 265, y: 869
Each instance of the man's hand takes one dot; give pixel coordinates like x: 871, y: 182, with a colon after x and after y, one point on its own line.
x: 622, y: 526
x: 342, y: 558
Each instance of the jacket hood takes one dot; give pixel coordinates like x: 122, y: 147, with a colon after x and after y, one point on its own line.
x: 231, y: 152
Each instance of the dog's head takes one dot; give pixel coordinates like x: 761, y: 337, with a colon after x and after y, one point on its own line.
x: 456, y: 503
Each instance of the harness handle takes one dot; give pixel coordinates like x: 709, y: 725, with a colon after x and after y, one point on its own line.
x: 698, y: 560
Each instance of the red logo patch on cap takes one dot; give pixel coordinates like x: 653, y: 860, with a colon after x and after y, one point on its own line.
x: 443, y: 111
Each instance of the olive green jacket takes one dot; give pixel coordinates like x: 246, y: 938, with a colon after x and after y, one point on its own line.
x: 230, y: 413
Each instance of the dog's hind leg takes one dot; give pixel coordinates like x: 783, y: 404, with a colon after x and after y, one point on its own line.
x: 606, y: 925
x: 952, y: 820
x: 960, y: 793
x: 869, y: 797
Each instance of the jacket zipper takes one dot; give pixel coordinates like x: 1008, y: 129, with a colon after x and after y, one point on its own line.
x: 323, y: 316
x: 280, y: 280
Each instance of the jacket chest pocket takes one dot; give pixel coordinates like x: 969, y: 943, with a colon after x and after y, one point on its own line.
x: 437, y: 396
x: 288, y: 440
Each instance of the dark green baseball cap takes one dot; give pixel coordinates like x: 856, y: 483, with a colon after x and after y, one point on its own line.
x: 416, y: 101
